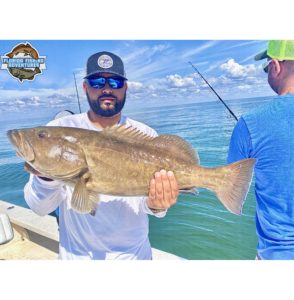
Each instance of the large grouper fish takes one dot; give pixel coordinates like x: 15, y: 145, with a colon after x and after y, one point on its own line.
x: 121, y: 161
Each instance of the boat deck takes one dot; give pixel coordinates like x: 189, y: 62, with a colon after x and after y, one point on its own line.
x: 21, y: 247
x: 36, y: 238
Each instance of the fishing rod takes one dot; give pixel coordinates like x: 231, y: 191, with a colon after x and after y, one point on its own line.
x: 77, y: 91
x: 214, y: 92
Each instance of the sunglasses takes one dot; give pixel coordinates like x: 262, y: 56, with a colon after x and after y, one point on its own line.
x: 265, y: 65
x: 100, y: 82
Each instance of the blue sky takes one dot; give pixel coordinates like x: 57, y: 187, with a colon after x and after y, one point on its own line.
x: 158, y: 71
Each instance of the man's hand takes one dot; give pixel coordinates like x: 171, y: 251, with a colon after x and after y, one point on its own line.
x: 28, y: 168
x: 163, y: 191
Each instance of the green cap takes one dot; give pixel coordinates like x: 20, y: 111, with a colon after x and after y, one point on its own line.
x: 278, y: 49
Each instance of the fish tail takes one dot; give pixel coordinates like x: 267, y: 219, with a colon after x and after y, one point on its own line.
x: 230, y: 183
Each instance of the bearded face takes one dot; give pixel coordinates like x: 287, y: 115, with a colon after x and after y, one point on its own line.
x: 106, y: 106
x: 105, y: 99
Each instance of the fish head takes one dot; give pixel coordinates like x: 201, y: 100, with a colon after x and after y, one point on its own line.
x: 22, y: 146
x: 48, y: 150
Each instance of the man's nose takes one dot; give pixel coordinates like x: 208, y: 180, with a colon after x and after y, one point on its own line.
x: 107, y: 89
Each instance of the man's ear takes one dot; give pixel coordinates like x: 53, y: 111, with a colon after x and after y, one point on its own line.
x: 126, y: 84
x: 85, y: 86
x: 276, y: 67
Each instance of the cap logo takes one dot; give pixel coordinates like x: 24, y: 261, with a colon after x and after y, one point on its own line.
x: 105, y: 61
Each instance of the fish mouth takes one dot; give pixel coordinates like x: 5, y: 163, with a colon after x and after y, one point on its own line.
x: 23, y: 148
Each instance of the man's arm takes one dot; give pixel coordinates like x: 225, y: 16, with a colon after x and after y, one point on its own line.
x: 240, y: 144
x: 42, y: 194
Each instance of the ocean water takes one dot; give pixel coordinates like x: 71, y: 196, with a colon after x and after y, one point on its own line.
x: 197, y: 227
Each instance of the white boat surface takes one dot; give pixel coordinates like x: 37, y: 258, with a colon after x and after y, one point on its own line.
x: 36, y: 237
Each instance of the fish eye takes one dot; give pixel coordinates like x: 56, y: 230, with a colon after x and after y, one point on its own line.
x: 42, y: 134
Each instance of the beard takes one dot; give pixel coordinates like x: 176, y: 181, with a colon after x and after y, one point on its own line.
x: 99, y: 110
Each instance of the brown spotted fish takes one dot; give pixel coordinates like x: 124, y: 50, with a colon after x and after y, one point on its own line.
x: 121, y: 161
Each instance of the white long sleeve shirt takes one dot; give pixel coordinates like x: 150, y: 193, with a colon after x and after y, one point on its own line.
x: 119, y: 229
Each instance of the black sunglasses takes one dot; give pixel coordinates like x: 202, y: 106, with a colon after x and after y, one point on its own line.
x: 100, y: 82
x: 266, y: 65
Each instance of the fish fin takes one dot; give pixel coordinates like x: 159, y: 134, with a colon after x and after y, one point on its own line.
x: 171, y: 143
x: 94, y: 200
x: 94, y: 197
x: 193, y: 191
x: 178, y: 146
x: 125, y: 133
x: 234, y: 183
x: 80, y: 198
x: 93, y: 212
x: 93, y: 208
x: 70, y: 174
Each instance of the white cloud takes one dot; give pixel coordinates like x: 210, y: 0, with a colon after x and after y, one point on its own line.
x: 44, y: 98
x: 145, y: 53
x: 160, y: 47
x: 35, y: 98
x: 134, y: 85
x: 235, y: 70
x: 19, y: 102
x: 234, y: 80
x: 199, y: 49
x: 246, y: 43
x: 244, y: 87
x: 179, y: 81
x: 37, y: 94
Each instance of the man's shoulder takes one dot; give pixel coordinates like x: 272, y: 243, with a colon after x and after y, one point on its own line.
x: 266, y: 110
x: 141, y: 126
x: 70, y: 121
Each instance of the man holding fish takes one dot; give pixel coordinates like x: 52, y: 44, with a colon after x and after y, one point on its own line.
x: 102, y: 180
x: 116, y: 227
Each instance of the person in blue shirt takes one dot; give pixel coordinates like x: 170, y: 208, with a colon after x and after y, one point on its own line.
x: 267, y: 134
